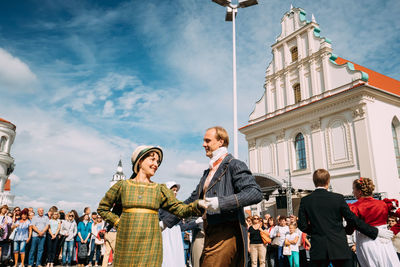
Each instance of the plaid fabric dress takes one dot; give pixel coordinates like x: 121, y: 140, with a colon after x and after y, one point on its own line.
x: 139, y: 237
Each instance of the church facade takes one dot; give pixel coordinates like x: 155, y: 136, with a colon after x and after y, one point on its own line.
x: 319, y: 110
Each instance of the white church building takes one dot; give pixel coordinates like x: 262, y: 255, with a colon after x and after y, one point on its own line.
x: 7, y: 136
x: 319, y: 110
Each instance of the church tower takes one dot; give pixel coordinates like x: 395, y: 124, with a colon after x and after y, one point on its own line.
x: 119, y: 175
x: 7, y: 136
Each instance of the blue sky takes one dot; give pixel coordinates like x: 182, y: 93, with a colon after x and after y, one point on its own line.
x: 85, y: 82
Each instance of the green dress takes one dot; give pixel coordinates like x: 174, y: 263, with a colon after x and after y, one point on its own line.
x: 139, y: 236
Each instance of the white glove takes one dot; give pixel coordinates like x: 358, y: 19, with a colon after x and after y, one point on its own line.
x: 199, y: 220
x: 162, y: 226
x: 203, y: 204
x: 213, y: 204
x: 385, y: 234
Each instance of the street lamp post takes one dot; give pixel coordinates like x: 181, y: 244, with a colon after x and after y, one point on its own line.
x: 289, y: 193
x: 231, y: 10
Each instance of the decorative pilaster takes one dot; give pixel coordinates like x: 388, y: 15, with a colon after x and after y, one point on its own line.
x: 251, y: 144
x: 327, y: 83
x: 304, y: 91
x: 289, y: 90
x: 310, y: 37
x: 280, y: 136
x: 299, y: 48
x: 279, y: 94
x: 286, y: 55
x: 314, y: 86
x: 268, y: 98
x: 276, y: 60
x: 315, y: 125
x: 273, y: 99
x: 359, y: 112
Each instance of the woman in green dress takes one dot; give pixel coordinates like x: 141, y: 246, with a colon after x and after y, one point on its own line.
x: 139, y: 235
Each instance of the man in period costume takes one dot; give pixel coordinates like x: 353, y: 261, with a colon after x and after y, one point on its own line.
x: 228, y: 186
x: 321, y: 215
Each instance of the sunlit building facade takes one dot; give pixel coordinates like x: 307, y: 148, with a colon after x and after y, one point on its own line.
x: 319, y: 110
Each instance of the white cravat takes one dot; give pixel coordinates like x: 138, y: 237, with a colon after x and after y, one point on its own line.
x: 216, y: 155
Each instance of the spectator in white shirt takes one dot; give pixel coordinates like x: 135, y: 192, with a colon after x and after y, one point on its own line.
x: 280, y: 231
x: 292, y: 239
x: 69, y: 230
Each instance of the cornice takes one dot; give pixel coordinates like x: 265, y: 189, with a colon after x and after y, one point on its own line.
x: 6, y: 158
x: 346, y: 100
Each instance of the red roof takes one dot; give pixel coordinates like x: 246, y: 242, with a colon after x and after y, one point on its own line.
x: 3, y: 120
x: 375, y: 78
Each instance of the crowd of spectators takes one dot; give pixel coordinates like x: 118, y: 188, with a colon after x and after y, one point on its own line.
x: 29, y: 238
x: 280, y: 232
x: 283, y: 232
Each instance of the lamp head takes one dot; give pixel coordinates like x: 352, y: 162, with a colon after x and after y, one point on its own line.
x: 247, y: 3
x: 222, y: 2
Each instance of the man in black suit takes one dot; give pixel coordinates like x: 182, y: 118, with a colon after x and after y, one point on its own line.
x: 321, y: 215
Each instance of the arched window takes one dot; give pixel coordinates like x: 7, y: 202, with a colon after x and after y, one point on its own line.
x: 3, y: 141
x: 299, y: 145
x: 297, y: 93
x: 395, y: 125
x: 294, y: 53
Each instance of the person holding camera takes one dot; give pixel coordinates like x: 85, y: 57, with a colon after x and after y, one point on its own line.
x: 68, y: 230
x: 96, y: 242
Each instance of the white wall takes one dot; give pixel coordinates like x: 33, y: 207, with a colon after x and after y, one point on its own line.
x: 380, y: 116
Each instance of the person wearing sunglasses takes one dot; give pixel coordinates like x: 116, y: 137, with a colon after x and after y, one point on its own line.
x: 68, y: 231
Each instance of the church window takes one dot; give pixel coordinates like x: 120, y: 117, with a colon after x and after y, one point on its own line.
x: 300, y: 148
x: 294, y: 53
x: 395, y: 129
x: 297, y: 93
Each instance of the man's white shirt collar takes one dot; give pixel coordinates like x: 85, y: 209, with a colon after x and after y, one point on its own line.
x: 217, y: 154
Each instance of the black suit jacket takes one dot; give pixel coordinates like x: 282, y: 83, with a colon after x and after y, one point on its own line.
x: 321, y: 215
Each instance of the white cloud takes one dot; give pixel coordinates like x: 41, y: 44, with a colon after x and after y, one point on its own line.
x: 15, y: 74
x: 190, y: 169
x: 61, y: 159
x: 109, y: 109
x: 32, y: 174
x: 71, y: 205
x: 25, y: 202
x: 14, y: 179
x: 96, y: 171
